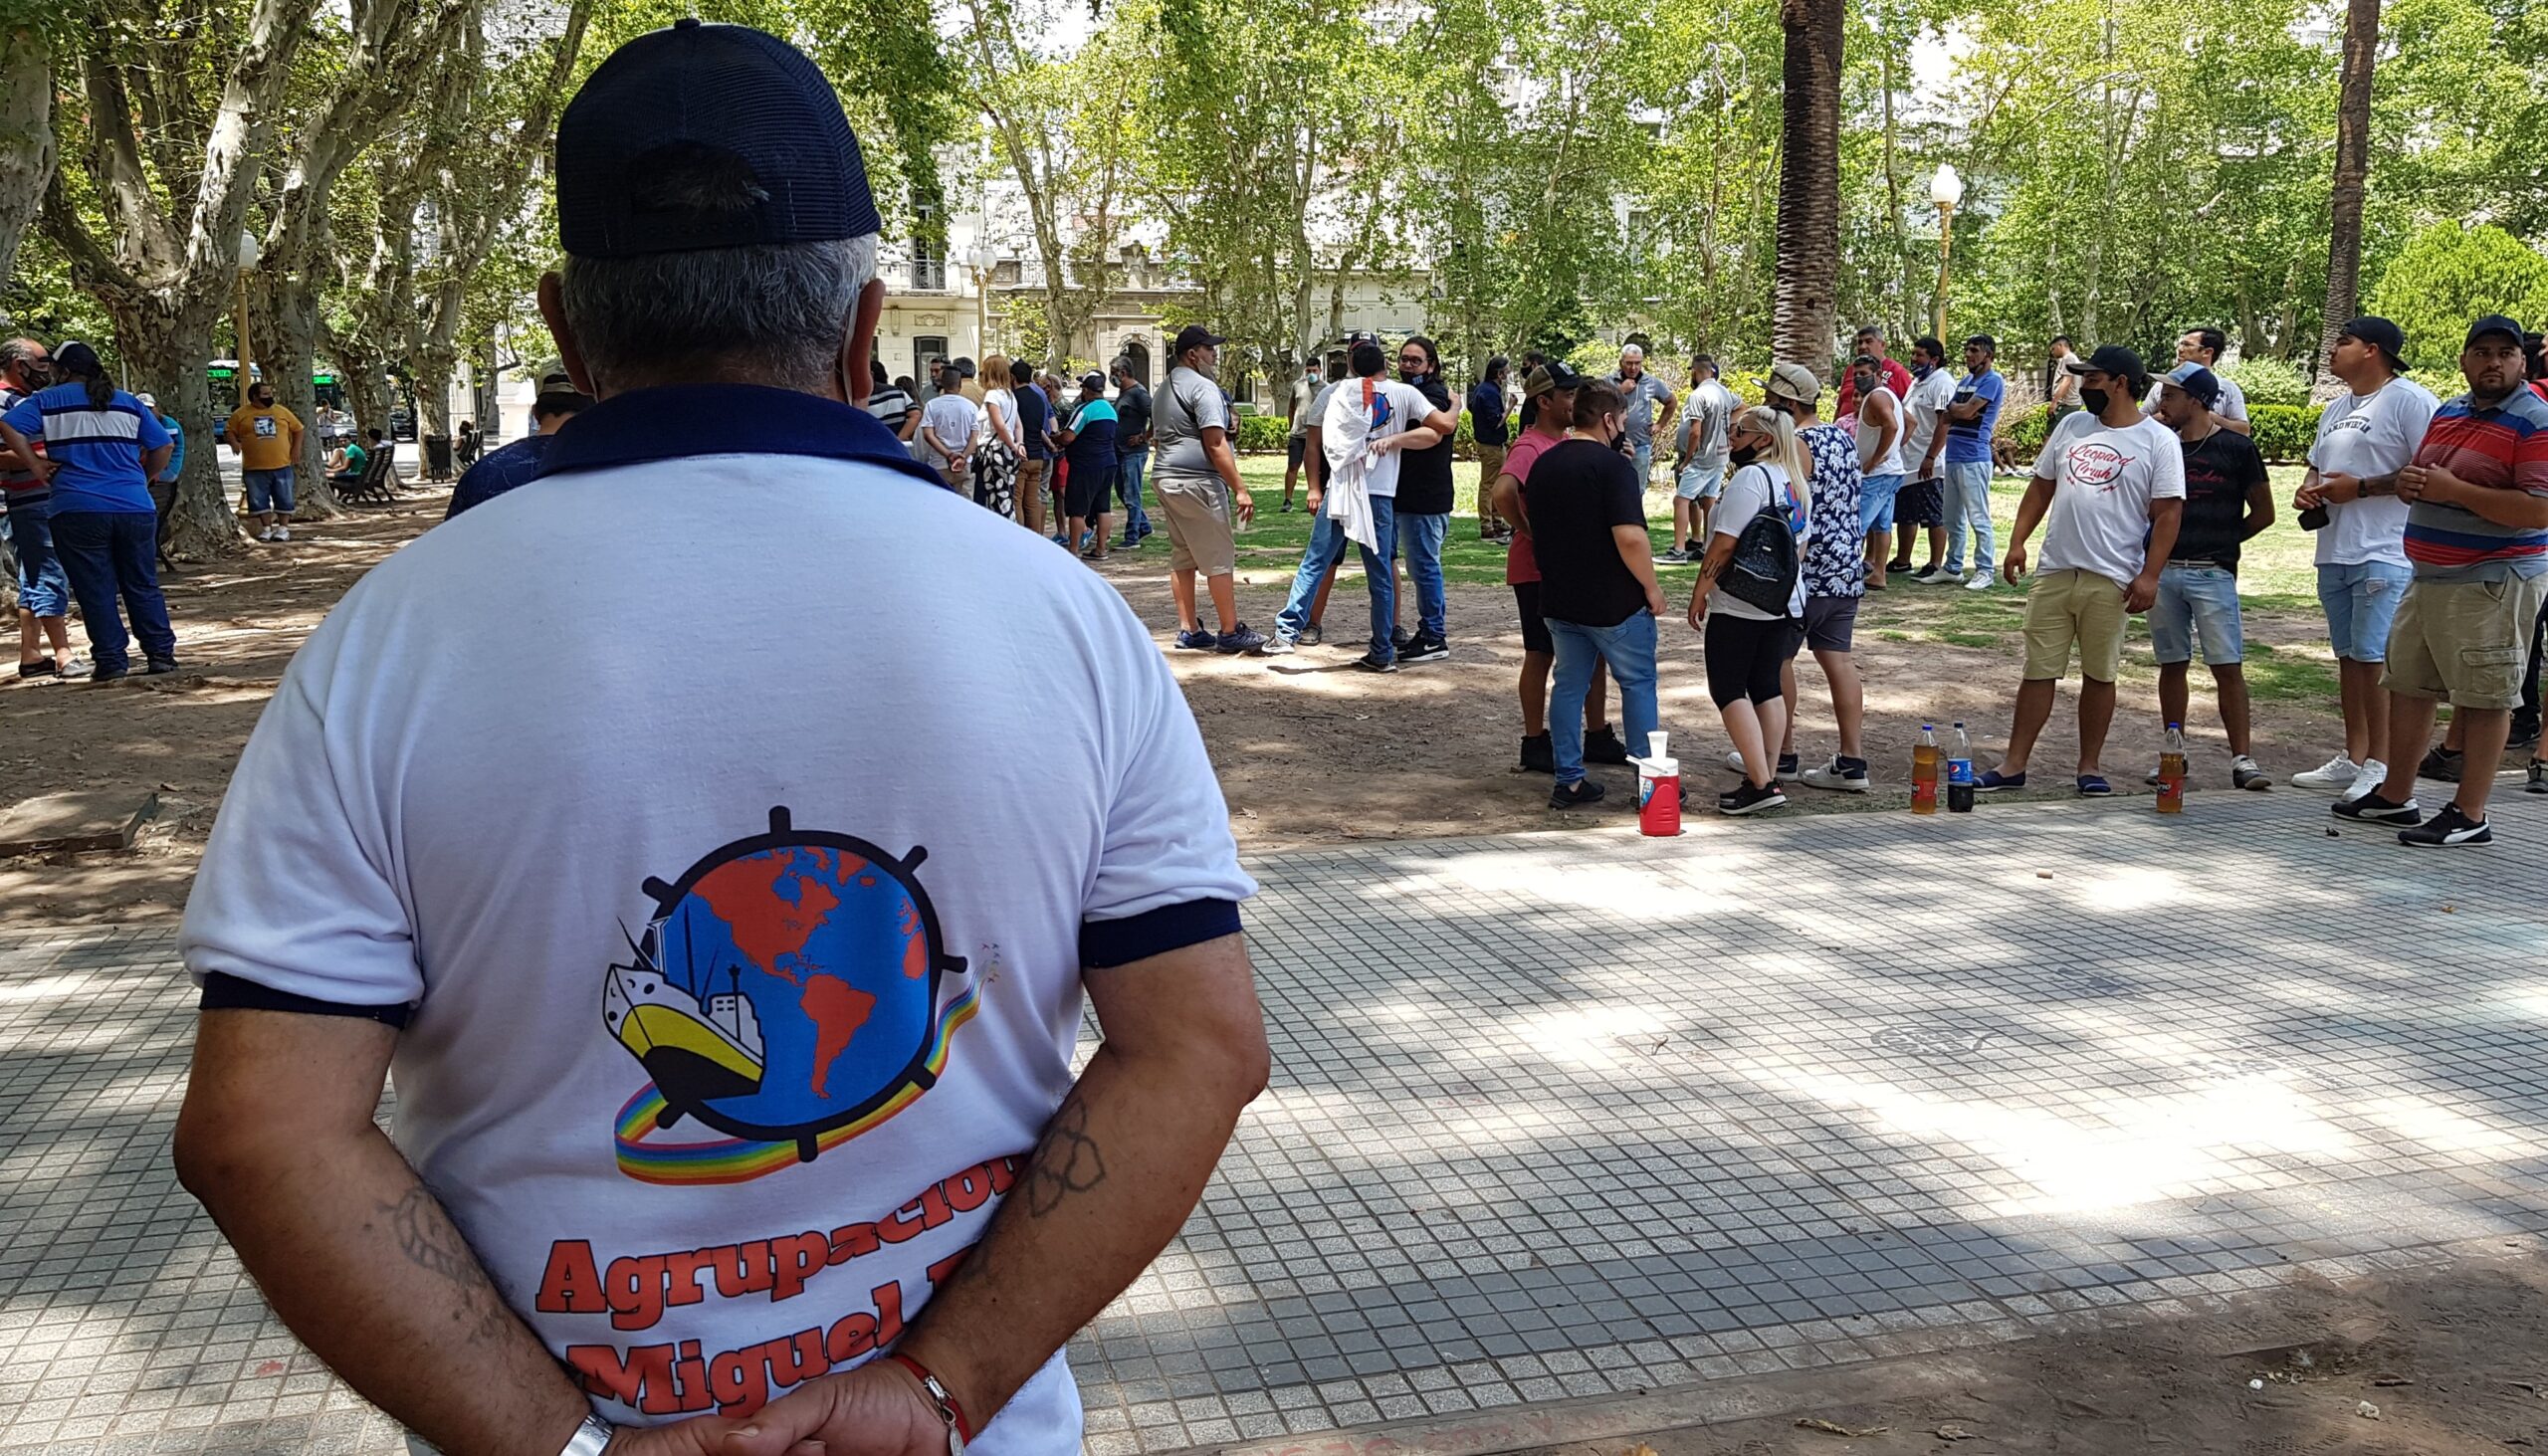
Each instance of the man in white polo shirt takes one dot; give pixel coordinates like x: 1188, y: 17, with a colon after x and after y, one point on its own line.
x: 732, y: 1000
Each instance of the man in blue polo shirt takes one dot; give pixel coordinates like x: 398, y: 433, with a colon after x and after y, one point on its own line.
x: 1970, y: 418
x: 678, y: 952
x: 507, y: 466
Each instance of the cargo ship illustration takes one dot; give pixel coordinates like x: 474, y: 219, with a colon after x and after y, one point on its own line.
x: 694, y: 1053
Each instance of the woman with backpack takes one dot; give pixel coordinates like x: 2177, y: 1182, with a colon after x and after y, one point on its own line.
x: 1751, y: 595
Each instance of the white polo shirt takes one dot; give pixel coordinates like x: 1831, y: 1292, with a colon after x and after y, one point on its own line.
x: 743, y: 981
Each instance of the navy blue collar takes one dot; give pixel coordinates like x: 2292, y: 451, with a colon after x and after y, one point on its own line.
x: 674, y: 421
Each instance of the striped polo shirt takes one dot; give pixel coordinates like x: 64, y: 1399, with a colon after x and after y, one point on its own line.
x: 97, y: 449
x: 20, y: 490
x: 2504, y: 448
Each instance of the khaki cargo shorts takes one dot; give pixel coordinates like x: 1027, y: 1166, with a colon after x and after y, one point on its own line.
x: 2064, y: 608
x: 1197, y: 508
x: 2467, y: 641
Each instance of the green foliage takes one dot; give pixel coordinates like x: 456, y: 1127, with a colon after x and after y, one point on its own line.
x: 2448, y: 274
x: 1263, y: 432
x: 2285, y: 432
x: 2025, y: 429
x: 2268, y: 381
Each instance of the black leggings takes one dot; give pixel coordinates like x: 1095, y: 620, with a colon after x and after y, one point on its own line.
x: 1745, y: 654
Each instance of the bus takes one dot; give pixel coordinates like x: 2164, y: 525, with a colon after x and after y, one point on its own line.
x: 223, y: 376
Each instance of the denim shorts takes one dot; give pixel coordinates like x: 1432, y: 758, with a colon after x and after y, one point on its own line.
x: 2195, y: 599
x: 1876, y: 502
x: 2362, y: 603
x: 268, y: 490
x: 1700, y: 482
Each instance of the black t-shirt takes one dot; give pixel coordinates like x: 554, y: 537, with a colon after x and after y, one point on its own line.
x: 2221, y: 469
x: 1031, y: 410
x: 1133, y: 419
x: 1576, y: 493
x: 1424, y: 476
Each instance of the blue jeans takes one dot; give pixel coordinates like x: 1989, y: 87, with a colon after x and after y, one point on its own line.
x: 1327, y: 541
x: 1629, y: 650
x: 2360, y: 600
x: 1128, y: 484
x: 1876, y: 502
x: 268, y: 490
x: 110, y: 553
x: 1326, y: 549
x: 42, y: 588
x: 1424, y: 535
x: 2197, y: 599
x: 1645, y: 461
x: 1968, y: 491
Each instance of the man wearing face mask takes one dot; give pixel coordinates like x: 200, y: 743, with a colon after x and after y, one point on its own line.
x: 267, y: 439
x: 2113, y: 484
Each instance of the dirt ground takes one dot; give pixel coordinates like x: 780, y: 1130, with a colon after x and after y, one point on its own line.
x: 2455, y: 1360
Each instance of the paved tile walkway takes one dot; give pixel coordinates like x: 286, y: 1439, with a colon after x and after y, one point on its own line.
x: 1568, y: 1115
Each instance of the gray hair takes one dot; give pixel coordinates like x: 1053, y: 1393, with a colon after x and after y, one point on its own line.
x: 777, y: 312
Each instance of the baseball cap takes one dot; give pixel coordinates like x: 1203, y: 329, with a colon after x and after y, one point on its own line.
x: 2198, y: 381
x: 149, y: 401
x: 2381, y: 335
x: 2110, y: 358
x: 1092, y: 380
x: 1552, y: 375
x: 2492, y: 324
x: 1195, y: 336
x: 1792, y: 381
x: 727, y: 98
x: 1870, y: 360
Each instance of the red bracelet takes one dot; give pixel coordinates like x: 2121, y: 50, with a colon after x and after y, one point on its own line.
x: 949, y: 1408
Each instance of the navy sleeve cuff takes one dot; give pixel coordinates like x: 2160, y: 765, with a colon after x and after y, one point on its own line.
x: 1156, y: 932
x: 231, y: 994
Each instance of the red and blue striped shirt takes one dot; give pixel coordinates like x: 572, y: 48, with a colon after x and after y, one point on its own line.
x: 2504, y: 448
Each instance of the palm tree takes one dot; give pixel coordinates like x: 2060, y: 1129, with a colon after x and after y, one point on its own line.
x: 1809, y: 268
x: 2353, y: 162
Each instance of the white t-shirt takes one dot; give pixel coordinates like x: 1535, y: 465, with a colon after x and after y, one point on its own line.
x: 2373, y: 434
x: 1748, y: 494
x: 1396, y: 407
x: 946, y: 416
x: 2103, y: 480
x: 1924, y: 413
x: 2232, y: 405
x: 1868, y: 433
x: 803, y: 885
x: 1004, y: 404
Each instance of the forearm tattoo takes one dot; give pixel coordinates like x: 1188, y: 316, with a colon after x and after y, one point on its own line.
x: 1067, y: 1161
x: 429, y: 1241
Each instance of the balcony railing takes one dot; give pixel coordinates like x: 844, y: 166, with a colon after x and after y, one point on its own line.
x: 929, y: 275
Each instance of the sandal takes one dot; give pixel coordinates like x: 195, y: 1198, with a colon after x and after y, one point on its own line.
x: 2094, y: 786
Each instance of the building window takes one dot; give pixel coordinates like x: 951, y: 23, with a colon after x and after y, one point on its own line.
x: 929, y: 275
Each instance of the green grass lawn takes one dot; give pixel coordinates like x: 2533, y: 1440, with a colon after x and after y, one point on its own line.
x: 2287, y: 657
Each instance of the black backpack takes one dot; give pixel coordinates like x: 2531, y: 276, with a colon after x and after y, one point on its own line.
x: 1763, y: 571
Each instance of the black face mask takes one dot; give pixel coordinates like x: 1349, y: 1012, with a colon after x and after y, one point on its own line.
x: 1410, y: 374
x: 1745, y: 454
x: 2094, y: 399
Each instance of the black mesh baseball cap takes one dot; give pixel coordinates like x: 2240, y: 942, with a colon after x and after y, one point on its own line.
x: 721, y: 101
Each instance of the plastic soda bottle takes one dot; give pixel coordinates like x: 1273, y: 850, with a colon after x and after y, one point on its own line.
x: 1960, y: 774
x: 2172, y: 772
x: 1924, y: 771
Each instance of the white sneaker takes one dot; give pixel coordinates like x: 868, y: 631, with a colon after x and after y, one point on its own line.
x: 2374, y: 775
x: 1936, y: 576
x: 283, y: 533
x: 267, y: 534
x: 2337, y: 774
x: 1827, y: 774
x: 1981, y: 582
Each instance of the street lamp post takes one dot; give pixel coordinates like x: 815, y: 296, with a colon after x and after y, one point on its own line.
x: 981, y: 259
x: 1946, y: 189
x: 248, y: 255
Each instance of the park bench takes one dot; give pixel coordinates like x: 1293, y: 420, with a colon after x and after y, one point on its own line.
x: 378, y: 481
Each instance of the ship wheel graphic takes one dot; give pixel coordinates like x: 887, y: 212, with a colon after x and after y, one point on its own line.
x: 786, y: 991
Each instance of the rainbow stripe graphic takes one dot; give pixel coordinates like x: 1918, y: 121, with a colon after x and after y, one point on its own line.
x: 740, y: 1159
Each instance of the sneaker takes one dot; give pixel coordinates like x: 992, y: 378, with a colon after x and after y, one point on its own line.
x: 267, y: 533
x: 1197, y: 640
x: 1787, y: 769
x: 108, y: 675
x: 2245, y: 772
x: 1425, y: 647
x: 1538, y: 756
x: 1603, y: 745
x: 2538, y: 778
x: 2441, y: 763
x: 75, y: 668
x: 1748, y: 798
x: 2523, y: 738
x: 1286, y: 511
x: 1994, y: 781
x: 1844, y: 775
x: 283, y: 533
x: 2448, y: 828
x: 1277, y: 645
x: 1938, y: 576
x: 1400, y: 639
x: 1897, y: 568
x: 162, y: 666
x: 1577, y: 794
x: 1677, y: 556
x: 1981, y: 582
x: 1373, y: 663
x: 2374, y: 775
x: 1241, y: 638
x: 2338, y: 773
x: 1126, y: 543
x: 1313, y: 634
x: 2373, y: 809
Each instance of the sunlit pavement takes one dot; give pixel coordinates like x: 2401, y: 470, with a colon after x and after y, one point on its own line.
x: 1571, y: 1114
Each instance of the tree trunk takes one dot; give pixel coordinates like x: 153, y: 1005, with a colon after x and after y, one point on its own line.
x: 366, y: 380
x: 165, y: 351
x: 287, y: 351
x: 26, y: 138
x: 2353, y: 161
x: 1810, y: 184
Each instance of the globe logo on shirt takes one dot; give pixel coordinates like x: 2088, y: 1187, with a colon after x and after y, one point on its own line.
x: 785, y: 991
x: 2097, y: 464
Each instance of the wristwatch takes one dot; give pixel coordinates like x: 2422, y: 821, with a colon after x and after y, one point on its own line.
x: 590, y: 1439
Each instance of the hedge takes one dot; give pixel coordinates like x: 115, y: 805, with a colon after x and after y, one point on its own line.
x: 2285, y: 432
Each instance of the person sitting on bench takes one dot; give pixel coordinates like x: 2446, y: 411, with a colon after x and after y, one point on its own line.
x: 347, y: 466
